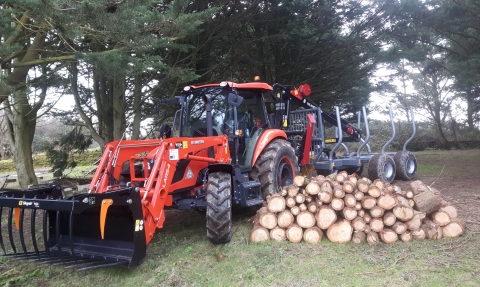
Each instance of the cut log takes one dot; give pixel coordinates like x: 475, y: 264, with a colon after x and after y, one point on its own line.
x: 418, y: 234
x: 402, y: 201
x: 325, y: 217
x: 318, y: 202
x: 337, y: 204
x: 340, y: 232
x: 361, y: 212
x: 348, y: 187
x: 403, y: 213
x: 362, y: 185
x: 374, y: 191
x: 326, y: 193
x: 300, y: 198
x: 399, y: 227
x: 450, y: 209
x: 441, y: 218
x: 319, y: 179
x: 312, y: 207
x: 305, y: 219
x: 418, y: 187
x: 266, y: 218
x: 285, y: 219
x: 388, y: 236
x: 455, y: 228
x: 302, y: 207
x: 387, y: 201
x: 294, y: 233
x: 308, y: 199
x: 290, y: 201
x: 411, y: 203
x: 372, y: 237
x: 406, y: 236
x: 295, y: 210
x: 300, y: 181
x: 409, y: 194
x: 367, y: 218
x: 292, y: 190
x: 350, y: 200
x: 432, y: 230
x: 429, y: 201
x: 368, y: 202
x: 376, y: 224
x: 359, y: 195
x: 379, y: 183
x: 349, y: 213
x: 284, y: 191
x: 358, y: 206
x: 313, y: 235
x: 416, y: 222
x: 358, y: 224
x: 338, y: 193
x: 390, y: 188
x: 367, y: 229
x: 276, y: 203
x: 376, y: 211
x: 278, y: 234
x: 389, y: 218
x: 353, y: 178
x: 312, y: 188
x: 340, y: 177
x: 359, y: 237
x: 259, y: 234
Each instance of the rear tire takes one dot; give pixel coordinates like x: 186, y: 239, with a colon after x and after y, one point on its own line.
x: 276, y: 166
x: 406, y: 164
x: 219, y: 210
x: 381, y: 166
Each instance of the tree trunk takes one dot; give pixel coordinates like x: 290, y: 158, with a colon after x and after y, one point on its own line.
x: 429, y: 201
x: 137, y: 107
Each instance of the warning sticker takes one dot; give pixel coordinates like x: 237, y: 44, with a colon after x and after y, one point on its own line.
x: 174, y: 154
x: 137, y: 225
x: 185, y: 144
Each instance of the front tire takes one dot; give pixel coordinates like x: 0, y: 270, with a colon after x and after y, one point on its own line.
x: 381, y: 166
x: 219, y: 207
x: 406, y: 164
x: 275, y: 167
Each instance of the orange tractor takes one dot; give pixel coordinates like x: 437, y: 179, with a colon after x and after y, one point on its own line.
x: 234, y: 145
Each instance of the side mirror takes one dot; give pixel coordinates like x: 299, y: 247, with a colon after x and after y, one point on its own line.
x: 234, y: 100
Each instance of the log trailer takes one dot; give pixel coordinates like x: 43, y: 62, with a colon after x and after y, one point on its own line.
x: 232, y: 144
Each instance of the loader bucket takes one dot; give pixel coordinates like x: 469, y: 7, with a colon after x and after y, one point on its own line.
x: 84, y: 231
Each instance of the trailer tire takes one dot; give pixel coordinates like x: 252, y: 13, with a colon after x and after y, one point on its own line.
x: 276, y: 166
x: 219, y: 207
x: 406, y: 165
x: 381, y: 166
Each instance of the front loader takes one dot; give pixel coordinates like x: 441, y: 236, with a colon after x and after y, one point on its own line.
x: 231, y: 144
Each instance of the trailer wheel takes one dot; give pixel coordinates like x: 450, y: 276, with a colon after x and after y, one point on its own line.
x: 406, y: 164
x: 381, y: 166
x: 276, y: 166
x: 219, y: 210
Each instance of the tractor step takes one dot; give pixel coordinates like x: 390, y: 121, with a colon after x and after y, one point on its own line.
x: 254, y: 201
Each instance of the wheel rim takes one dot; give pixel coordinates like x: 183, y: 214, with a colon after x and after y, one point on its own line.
x: 285, y: 172
x: 410, y: 166
x: 388, y: 170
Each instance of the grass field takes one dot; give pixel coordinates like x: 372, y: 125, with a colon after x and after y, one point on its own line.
x: 180, y: 254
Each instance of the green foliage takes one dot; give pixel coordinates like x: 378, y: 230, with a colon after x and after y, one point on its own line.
x: 63, y: 153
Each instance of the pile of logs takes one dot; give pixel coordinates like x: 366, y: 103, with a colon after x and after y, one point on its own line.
x: 347, y: 208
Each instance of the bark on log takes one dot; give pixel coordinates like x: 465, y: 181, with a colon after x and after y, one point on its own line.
x: 326, y: 193
x: 387, y: 201
x: 325, y: 217
x: 305, y: 219
x: 403, y: 213
x: 340, y: 232
x: 292, y: 190
x: 312, y: 188
x: 300, y: 181
x: 441, y: 218
x: 418, y: 187
x: 388, y: 236
x: 294, y: 233
x: 367, y: 229
x: 276, y: 203
x: 432, y: 230
x: 372, y: 237
x: 455, y: 228
x: 358, y: 224
x: 337, y: 204
x: 359, y: 237
x: 376, y: 224
x: 399, y: 227
x: 376, y: 211
x: 349, y: 213
x: 418, y: 234
x: 416, y: 222
x: 313, y: 235
x: 348, y: 187
x: 278, y: 234
x: 450, y: 209
x: 284, y: 191
x: 389, y: 218
x: 406, y: 236
x: 362, y: 185
x: 368, y: 202
x: 285, y: 219
x: 402, y: 201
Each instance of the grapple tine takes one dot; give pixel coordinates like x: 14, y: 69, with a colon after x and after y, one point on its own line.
x: 32, y: 231
x: 45, y: 235
x: 57, y: 234
x: 70, y: 234
x: 10, y: 231
x: 1, y: 238
x: 20, y: 230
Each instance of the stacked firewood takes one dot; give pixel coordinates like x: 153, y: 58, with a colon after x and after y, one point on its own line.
x: 347, y: 208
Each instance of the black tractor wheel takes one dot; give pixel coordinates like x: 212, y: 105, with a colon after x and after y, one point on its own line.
x: 381, y: 166
x: 406, y: 164
x: 219, y: 207
x: 276, y: 166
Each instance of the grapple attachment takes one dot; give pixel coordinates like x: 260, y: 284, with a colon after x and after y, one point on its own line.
x: 84, y: 231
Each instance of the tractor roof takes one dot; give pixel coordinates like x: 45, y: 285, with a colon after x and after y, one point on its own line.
x: 252, y: 85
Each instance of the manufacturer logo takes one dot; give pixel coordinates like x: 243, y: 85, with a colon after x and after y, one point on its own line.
x: 165, y: 177
x: 29, y: 203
